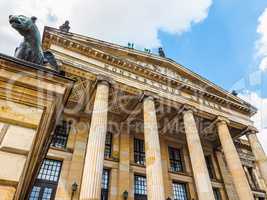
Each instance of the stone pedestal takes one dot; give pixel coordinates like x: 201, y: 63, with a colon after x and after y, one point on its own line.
x: 155, y: 187
x: 233, y: 162
x: 261, y: 158
x: 94, y: 159
x: 200, y: 171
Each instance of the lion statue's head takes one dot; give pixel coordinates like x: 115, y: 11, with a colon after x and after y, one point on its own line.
x: 24, y: 25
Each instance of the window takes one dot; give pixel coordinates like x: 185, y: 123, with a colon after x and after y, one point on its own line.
x: 61, y: 135
x: 217, y: 193
x: 140, y: 188
x: 105, y: 185
x: 108, y: 145
x: 139, y: 151
x: 176, y: 164
x: 210, y: 166
x: 179, y: 191
x: 250, y: 177
x: 46, y: 183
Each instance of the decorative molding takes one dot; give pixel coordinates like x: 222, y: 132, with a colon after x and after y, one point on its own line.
x: 53, y: 37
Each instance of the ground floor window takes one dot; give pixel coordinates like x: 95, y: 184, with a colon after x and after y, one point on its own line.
x: 179, y: 191
x: 105, y: 184
x: 140, y: 187
x: 217, y: 193
x: 47, y: 180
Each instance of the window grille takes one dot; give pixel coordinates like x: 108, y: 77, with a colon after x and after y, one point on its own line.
x: 105, y: 185
x: 61, y: 134
x: 179, y: 191
x: 140, y: 187
x: 139, y: 152
x: 210, y: 166
x: 176, y: 164
x: 47, y: 180
x: 108, y: 145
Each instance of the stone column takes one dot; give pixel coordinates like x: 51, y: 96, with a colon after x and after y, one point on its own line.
x: 155, y: 187
x: 233, y: 161
x: 200, y: 170
x: 261, y: 158
x: 94, y: 159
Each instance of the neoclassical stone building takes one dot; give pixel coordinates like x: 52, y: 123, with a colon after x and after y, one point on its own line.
x: 120, y: 124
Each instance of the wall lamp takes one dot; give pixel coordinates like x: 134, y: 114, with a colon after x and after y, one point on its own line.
x: 125, y: 195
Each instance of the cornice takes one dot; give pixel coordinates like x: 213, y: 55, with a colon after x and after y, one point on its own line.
x: 71, y: 44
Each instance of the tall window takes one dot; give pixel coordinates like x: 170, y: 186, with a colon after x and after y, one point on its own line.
x: 140, y: 187
x: 210, y: 166
x: 179, y: 191
x: 47, y: 180
x: 176, y: 163
x: 60, y: 138
x: 139, y: 151
x: 108, y: 145
x: 217, y: 193
x: 250, y: 177
x: 105, y: 185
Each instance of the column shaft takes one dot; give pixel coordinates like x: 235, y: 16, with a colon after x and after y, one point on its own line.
x: 233, y: 162
x: 94, y: 159
x: 154, y: 174
x: 259, y: 154
x: 200, y: 171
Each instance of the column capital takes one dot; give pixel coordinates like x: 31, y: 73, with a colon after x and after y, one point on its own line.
x: 187, y: 108
x: 251, y: 130
x: 101, y: 79
x: 222, y: 120
x: 148, y: 95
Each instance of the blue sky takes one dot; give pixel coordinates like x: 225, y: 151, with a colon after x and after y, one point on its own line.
x: 222, y: 47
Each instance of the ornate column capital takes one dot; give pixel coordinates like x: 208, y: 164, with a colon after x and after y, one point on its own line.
x: 104, y: 80
x: 148, y: 95
x: 251, y: 130
x: 187, y: 108
x: 222, y: 120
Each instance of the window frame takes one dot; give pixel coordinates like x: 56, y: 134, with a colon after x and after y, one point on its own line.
x: 187, y: 194
x: 210, y: 166
x: 105, y: 191
x: 179, y: 161
x: 43, y: 183
x: 142, y: 195
x: 139, y: 152
x: 108, y: 145
x: 217, y: 193
x: 62, y: 130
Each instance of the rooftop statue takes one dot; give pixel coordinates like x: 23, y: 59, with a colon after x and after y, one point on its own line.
x: 65, y: 27
x: 31, y: 48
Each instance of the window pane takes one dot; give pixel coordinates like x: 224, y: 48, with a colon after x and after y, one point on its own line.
x: 61, y: 135
x: 105, y: 185
x: 217, y: 194
x: 139, y: 152
x: 179, y: 191
x: 210, y: 166
x: 108, y: 145
x: 47, y: 195
x: 176, y: 163
x: 50, y: 170
x: 35, y: 193
x: 140, y: 187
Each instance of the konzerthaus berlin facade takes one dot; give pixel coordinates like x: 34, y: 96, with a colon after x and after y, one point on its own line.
x: 120, y: 124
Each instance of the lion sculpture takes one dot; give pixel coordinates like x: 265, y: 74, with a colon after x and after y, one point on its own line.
x: 30, y: 49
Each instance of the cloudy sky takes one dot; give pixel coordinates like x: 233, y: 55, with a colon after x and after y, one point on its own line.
x: 224, y: 41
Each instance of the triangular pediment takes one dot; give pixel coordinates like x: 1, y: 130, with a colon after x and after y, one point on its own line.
x: 165, y: 67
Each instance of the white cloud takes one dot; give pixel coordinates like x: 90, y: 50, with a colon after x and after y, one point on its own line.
x: 262, y: 42
x: 260, y: 119
x: 118, y: 21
